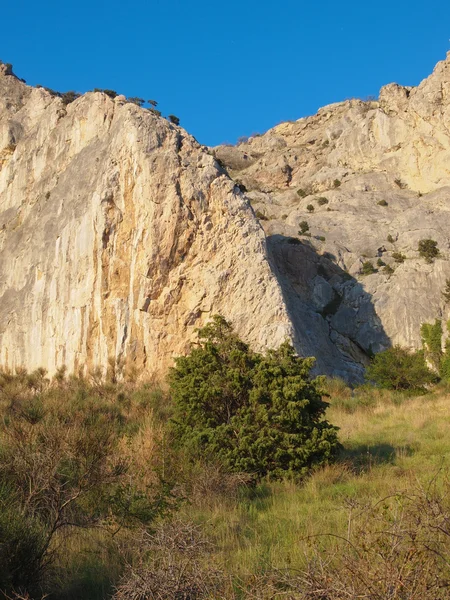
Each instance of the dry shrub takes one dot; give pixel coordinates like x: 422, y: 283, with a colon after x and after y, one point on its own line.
x: 397, y: 549
x: 210, y: 484
x: 174, y: 562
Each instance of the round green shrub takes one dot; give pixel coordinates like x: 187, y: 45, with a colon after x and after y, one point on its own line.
x: 259, y: 414
x: 399, y: 369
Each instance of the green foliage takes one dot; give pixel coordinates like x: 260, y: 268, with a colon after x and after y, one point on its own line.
x: 336, y: 183
x: 302, y: 193
x: 68, y: 97
x: 62, y: 468
x: 428, y: 250
x: 135, y: 100
x: 258, y: 414
x: 304, y: 227
x: 173, y: 119
x: 381, y: 263
x: 310, y: 208
x: 382, y: 203
x: 390, y: 239
x: 322, y: 200
x: 368, y: 268
x: 446, y: 292
x: 432, y: 342
x: 388, y: 270
x: 321, y: 238
x: 111, y: 93
x: 399, y: 257
x: 399, y: 369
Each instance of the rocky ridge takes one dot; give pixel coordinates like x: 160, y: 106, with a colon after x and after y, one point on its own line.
x: 370, y: 179
x: 120, y: 234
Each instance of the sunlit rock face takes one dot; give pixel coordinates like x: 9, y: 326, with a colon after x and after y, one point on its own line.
x: 371, y: 179
x: 119, y: 236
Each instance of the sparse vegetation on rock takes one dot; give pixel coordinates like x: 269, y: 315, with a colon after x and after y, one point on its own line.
x: 428, y: 249
x: 303, y: 227
x: 399, y: 257
x: 367, y: 268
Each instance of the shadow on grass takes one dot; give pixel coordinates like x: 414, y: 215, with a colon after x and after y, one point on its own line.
x: 363, y: 457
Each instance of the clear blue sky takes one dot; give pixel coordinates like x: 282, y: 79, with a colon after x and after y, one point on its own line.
x: 226, y: 69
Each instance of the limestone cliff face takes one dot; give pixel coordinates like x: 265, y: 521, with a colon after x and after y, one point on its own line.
x: 377, y: 175
x: 119, y: 236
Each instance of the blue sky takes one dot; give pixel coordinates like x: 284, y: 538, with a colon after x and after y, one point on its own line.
x: 226, y: 69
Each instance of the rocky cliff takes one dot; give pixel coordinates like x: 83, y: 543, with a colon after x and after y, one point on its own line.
x: 370, y: 180
x: 120, y: 234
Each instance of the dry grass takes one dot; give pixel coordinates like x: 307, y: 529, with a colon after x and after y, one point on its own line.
x: 275, y: 540
x: 391, y: 444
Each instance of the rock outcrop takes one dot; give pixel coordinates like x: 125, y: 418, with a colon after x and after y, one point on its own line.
x: 376, y: 178
x: 119, y: 236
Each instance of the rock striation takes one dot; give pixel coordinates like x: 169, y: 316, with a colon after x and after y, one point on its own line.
x: 370, y: 179
x: 119, y: 236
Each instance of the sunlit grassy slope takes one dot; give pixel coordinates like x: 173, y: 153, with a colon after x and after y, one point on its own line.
x: 392, y: 444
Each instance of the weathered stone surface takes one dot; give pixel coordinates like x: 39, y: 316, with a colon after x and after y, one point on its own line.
x: 119, y: 236
x: 370, y: 170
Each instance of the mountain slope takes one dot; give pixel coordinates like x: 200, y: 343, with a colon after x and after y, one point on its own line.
x: 377, y: 176
x: 119, y: 236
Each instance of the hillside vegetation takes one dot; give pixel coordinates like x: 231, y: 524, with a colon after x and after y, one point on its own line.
x: 97, y: 500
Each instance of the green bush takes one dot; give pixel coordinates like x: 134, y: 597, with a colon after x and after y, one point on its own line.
x: 173, y: 119
x: 336, y: 183
x: 446, y: 292
x: 310, y: 208
x: 398, y: 257
x: 68, y: 97
x: 381, y: 263
x: 399, y: 369
x: 428, y: 250
x: 304, y: 227
x: 382, y: 203
x: 321, y: 201
x: 390, y: 239
x: 432, y: 342
x: 368, y: 268
x: 135, y: 100
x: 257, y: 414
x: 388, y: 270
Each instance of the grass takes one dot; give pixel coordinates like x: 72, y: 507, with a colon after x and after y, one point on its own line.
x: 391, y: 444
